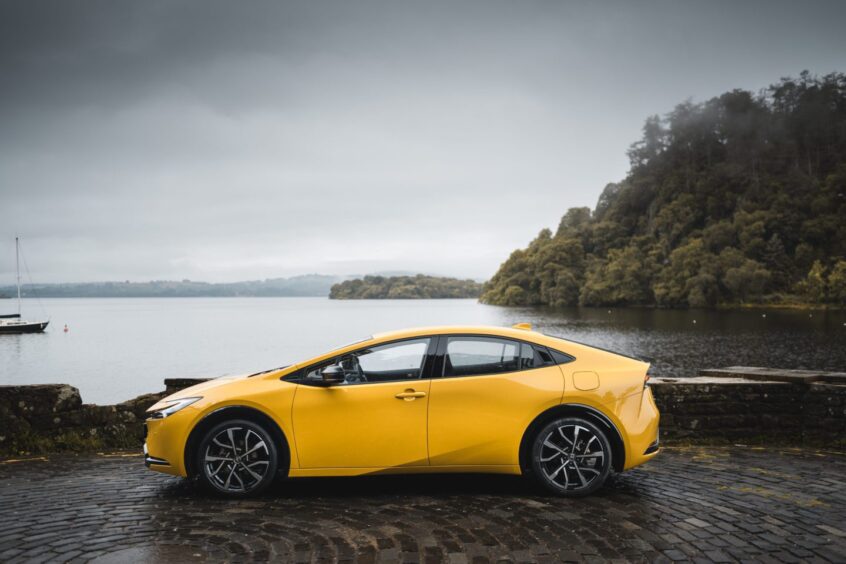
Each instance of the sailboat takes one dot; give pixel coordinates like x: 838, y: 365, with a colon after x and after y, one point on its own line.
x: 12, y: 322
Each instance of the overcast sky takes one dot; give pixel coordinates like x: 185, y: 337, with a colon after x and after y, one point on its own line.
x: 227, y: 141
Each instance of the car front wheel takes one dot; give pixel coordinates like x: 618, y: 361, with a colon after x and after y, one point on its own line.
x: 571, y: 457
x: 237, y: 458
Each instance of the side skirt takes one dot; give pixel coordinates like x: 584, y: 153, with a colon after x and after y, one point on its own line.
x: 327, y: 472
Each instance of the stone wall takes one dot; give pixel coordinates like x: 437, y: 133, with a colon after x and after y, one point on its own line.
x: 751, y: 412
x: 784, y: 409
x: 52, y: 418
x: 755, y: 405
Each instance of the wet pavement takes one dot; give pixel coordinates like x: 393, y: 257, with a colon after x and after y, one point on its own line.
x: 703, y: 503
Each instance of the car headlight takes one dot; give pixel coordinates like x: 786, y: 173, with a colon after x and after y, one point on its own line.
x: 172, y: 407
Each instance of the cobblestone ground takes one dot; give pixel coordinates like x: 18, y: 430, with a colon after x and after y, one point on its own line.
x: 717, y: 504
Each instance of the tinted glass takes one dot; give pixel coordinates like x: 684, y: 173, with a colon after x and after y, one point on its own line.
x: 546, y: 357
x: 384, y: 363
x: 531, y: 357
x: 469, y: 356
x: 560, y: 357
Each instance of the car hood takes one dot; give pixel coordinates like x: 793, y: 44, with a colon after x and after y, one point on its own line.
x: 197, y: 390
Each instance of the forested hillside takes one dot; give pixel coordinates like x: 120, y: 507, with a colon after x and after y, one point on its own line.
x: 740, y: 199
x: 404, y: 287
x: 305, y: 285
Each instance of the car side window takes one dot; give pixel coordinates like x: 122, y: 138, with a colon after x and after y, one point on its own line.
x: 560, y: 358
x: 470, y: 356
x: 384, y: 363
x: 533, y: 357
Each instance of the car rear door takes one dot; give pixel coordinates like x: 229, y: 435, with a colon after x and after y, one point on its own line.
x: 485, y: 392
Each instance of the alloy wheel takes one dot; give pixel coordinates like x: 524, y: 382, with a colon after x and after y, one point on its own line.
x: 572, y: 457
x: 236, y: 459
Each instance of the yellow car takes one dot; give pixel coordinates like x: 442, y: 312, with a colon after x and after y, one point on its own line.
x: 441, y: 399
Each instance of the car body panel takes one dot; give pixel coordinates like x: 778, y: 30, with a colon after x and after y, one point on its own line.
x: 480, y: 420
x: 463, y: 424
x: 362, y: 425
x: 166, y: 438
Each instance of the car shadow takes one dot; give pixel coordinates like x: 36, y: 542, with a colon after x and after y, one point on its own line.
x: 435, y: 486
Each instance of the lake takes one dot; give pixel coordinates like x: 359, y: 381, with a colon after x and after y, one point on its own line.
x: 117, y: 349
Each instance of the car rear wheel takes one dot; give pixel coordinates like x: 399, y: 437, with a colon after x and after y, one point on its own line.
x: 571, y: 457
x: 237, y: 458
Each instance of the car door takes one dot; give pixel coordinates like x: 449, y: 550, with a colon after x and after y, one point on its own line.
x: 489, y: 391
x: 376, y: 418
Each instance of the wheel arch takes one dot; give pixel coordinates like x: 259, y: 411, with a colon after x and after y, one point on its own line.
x: 237, y: 412
x: 618, y: 449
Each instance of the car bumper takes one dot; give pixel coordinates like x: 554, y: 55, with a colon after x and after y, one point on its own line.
x: 164, y: 444
x: 644, y: 443
x: 151, y: 461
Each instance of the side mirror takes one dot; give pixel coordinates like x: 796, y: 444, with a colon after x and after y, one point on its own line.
x: 332, y: 374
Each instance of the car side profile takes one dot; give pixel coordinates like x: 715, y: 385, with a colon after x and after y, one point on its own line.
x: 440, y: 399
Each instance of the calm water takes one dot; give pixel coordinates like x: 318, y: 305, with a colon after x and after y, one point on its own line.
x: 117, y: 349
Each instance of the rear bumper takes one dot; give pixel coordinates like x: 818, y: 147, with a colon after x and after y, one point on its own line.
x: 654, y: 447
x: 644, y: 443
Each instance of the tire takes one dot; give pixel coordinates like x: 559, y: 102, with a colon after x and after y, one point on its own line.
x: 571, y: 457
x: 237, y: 458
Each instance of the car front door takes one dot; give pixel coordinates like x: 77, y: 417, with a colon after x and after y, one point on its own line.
x: 376, y: 418
x: 490, y: 390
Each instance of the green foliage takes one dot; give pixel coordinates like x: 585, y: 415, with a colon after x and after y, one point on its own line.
x: 623, y: 279
x: 837, y: 283
x: 404, y: 288
x: 549, y: 271
x: 737, y: 199
x: 815, y: 285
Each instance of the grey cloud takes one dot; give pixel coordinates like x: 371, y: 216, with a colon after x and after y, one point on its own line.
x: 224, y: 141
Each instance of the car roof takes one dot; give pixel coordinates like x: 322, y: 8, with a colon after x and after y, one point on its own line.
x: 523, y: 334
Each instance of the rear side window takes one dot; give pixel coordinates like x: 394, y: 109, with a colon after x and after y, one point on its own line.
x: 534, y: 357
x: 470, y: 356
x: 560, y: 358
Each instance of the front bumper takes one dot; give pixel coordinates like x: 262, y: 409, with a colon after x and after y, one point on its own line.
x: 164, y: 443
x: 150, y: 461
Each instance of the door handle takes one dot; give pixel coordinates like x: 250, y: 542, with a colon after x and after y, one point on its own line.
x: 410, y: 395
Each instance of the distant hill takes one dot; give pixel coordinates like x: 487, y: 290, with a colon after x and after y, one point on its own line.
x: 740, y: 199
x: 306, y: 285
x: 405, y: 287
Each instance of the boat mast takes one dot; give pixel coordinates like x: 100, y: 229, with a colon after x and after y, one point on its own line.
x: 18, y: 272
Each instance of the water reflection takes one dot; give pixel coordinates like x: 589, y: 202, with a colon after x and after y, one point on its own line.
x: 684, y: 341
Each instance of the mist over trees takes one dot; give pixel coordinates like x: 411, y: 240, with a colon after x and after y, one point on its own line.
x: 405, y: 287
x: 740, y: 199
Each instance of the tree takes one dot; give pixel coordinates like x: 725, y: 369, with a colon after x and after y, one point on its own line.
x: 404, y: 287
x: 739, y: 198
x: 689, y: 279
x: 624, y: 279
x: 777, y: 262
x: 815, y: 286
x: 837, y: 283
x: 748, y: 280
